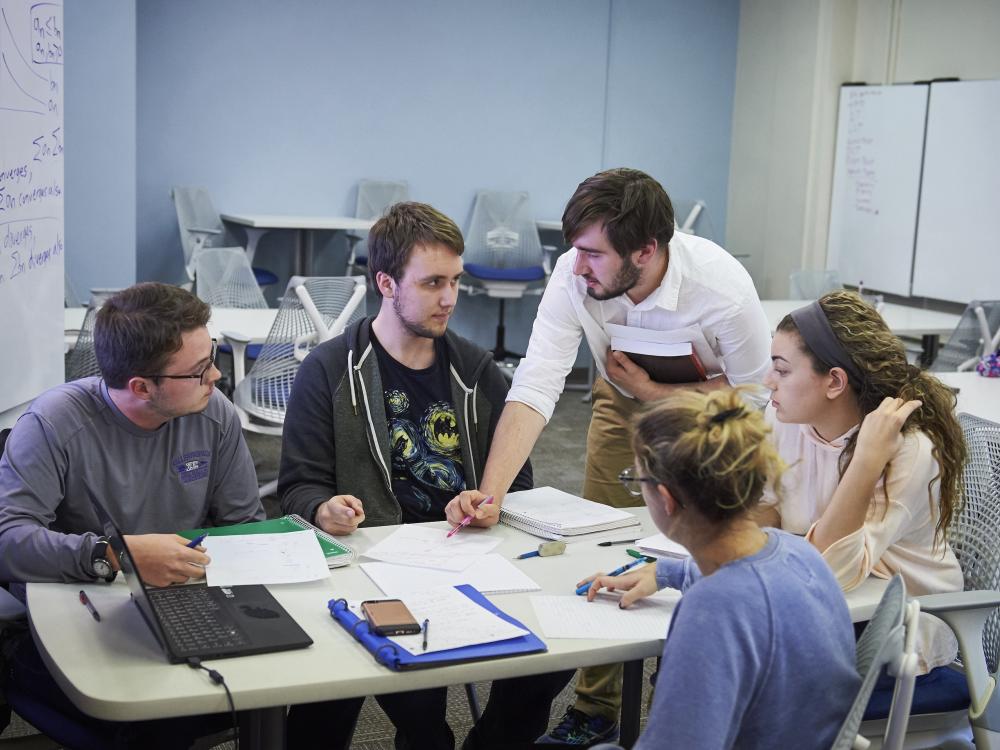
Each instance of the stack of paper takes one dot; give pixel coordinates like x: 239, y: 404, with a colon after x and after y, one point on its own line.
x: 425, y: 547
x: 492, y: 574
x: 660, y: 546
x: 554, y: 514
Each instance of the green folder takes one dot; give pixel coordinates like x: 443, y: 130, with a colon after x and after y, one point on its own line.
x: 337, y: 553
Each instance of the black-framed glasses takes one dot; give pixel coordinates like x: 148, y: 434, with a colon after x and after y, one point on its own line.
x: 200, y: 376
x: 633, y: 483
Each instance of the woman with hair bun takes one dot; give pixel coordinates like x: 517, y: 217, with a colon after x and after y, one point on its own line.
x: 875, y: 455
x: 760, y: 650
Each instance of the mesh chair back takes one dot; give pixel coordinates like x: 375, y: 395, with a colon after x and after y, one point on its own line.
x: 82, y: 359
x: 968, y: 339
x: 200, y: 224
x: 812, y: 284
x: 502, y: 232
x: 974, y: 531
x: 224, y: 278
x: 375, y: 196
x: 881, y: 643
x: 263, y: 393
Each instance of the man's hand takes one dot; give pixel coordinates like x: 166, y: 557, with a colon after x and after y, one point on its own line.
x: 625, y: 373
x: 340, y: 515
x: 637, y: 585
x: 162, y: 559
x: 472, y: 503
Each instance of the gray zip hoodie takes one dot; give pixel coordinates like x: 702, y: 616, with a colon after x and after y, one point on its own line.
x: 336, y: 437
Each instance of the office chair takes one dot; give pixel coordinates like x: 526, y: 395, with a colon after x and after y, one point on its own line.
x: 81, y: 362
x: 312, y: 311
x: 976, y: 335
x: 374, y: 198
x: 888, y: 642
x: 224, y: 278
x: 942, y: 713
x: 504, y: 258
x: 200, y: 227
x: 812, y: 284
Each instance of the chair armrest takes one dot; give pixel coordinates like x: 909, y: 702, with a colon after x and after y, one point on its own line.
x: 204, y: 230
x: 966, y: 613
x: 959, y: 600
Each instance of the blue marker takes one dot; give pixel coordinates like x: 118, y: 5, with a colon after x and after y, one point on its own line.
x: 197, y: 540
x: 584, y: 588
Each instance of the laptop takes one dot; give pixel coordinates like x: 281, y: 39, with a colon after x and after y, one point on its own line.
x: 207, y: 622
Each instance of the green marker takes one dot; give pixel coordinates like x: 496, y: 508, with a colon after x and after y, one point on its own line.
x: 639, y: 556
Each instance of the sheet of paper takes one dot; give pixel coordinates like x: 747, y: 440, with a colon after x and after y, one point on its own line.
x: 574, y: 617
x: 454, y: 621
x: 660, y: 545
x: 692, y: 334
x: 426, y: 547
x: 492, y: 574
x: 293, y: 557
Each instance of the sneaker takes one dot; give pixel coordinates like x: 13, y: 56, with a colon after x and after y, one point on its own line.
x: 577, y: 728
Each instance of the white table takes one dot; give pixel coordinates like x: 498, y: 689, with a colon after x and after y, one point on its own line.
x: 976, y: 395
x: 257, y: 225
x: 115, y: 669
x: 901, y: 319
x: 255, y: 324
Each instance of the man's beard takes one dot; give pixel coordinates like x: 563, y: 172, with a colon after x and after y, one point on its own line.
x: 415, y: 328
x: 626, y: 278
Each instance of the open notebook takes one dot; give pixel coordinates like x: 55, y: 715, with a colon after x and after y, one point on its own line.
x: 554, y: 514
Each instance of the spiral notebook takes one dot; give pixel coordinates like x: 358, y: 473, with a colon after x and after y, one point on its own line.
x: 554, y: 514
x: 336, y: 552
x: 398, y: 659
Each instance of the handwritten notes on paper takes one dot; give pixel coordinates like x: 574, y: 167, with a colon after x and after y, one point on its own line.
x: 575, y: 617
x: 245, y: 559
x: 425, y: 547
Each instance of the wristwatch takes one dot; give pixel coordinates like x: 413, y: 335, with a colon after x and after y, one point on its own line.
x: 99, y: 564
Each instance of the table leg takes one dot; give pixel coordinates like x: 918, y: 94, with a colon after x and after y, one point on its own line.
x: 929, y: 344
x: 263, y: 728
x: 631, y: 703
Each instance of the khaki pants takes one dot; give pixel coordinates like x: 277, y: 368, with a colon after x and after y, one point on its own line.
x: 609, y: 450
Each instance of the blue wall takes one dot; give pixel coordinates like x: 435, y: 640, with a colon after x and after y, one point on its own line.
x: 282, y: 107
x: 100, y: 126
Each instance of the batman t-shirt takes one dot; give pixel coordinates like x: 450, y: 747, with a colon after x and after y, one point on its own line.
x: 424, y: 442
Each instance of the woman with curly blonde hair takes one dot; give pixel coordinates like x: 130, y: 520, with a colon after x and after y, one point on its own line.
x: 875, y: 454
x: 760, y: 650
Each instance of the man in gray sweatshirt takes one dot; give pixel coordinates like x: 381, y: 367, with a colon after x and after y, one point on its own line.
x: 159, y: 447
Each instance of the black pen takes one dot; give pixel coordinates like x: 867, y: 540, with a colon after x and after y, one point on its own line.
x: 427, y: 624
x: 617, y: 541
x: 85, y: 601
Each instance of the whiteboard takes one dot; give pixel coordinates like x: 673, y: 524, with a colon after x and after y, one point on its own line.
x: 31, y: 199
x: 876, y: 185
x: 958, y: 236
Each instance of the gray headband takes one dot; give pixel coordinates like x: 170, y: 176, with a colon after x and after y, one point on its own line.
x: 818, y: 335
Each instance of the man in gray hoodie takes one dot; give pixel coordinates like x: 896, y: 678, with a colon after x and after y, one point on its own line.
x: 385, y: 425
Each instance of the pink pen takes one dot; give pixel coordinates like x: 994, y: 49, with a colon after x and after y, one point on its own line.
x: 467, y: 520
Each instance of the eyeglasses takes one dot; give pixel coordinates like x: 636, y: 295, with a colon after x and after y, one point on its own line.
x: 200, y: 376
x: 633, y: 483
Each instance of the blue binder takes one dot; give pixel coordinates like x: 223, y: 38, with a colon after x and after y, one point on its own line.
x: 392, y: 656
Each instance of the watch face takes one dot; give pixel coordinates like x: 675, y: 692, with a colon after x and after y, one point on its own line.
x: 102, y: 568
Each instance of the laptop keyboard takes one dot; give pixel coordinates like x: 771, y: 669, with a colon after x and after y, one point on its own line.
x: 194, y: 622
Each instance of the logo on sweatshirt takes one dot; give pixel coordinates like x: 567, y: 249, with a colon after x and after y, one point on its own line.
x: 192, y: 466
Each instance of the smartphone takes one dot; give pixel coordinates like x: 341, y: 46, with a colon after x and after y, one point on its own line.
x: 389, y: 617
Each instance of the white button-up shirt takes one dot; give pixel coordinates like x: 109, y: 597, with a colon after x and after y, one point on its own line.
x: 704, y: 287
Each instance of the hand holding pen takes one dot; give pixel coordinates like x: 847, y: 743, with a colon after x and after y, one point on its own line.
x: 636, y: 585
x: 472, y: 503
x: 469, y: 518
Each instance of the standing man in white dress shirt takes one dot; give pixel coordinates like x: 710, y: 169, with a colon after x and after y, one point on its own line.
x: 628, y: 267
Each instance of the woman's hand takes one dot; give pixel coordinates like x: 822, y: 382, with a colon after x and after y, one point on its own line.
x: 881, y: 433
x: 637, y: 585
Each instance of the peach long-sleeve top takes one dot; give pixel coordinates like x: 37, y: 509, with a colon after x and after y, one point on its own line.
x: 898, y: 534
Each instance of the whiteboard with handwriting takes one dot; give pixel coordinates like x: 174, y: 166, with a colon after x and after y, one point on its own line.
x: 31, y: 199
x: 876, y: 185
